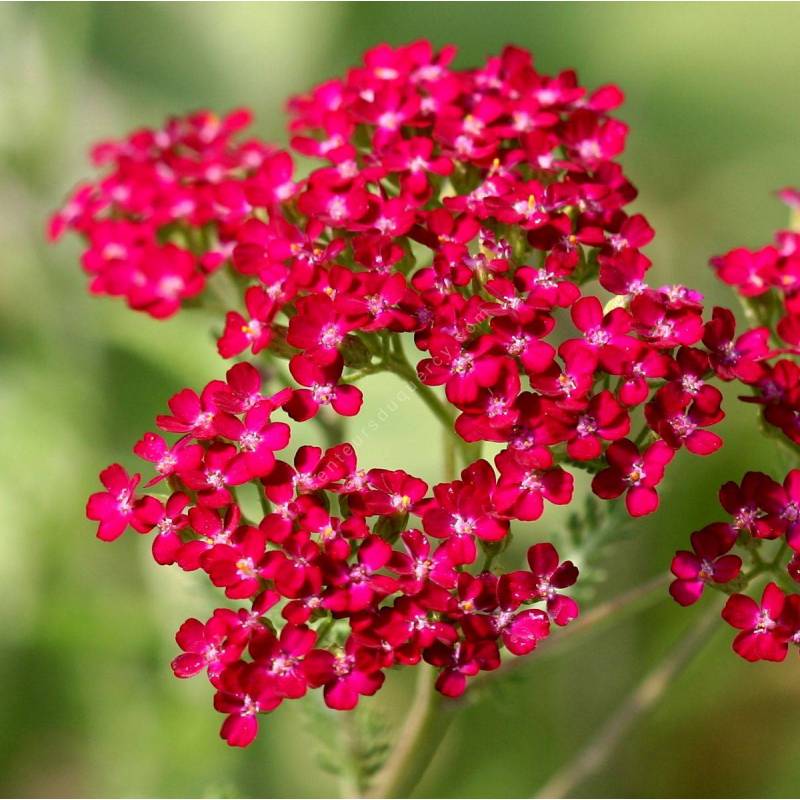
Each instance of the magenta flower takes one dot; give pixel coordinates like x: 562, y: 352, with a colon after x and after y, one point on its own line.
x: 708, y: 562
x: 688, y: 373
x: 633, y: 473
x: 243, y: 693
x: 221, y: 468
x: 520, y: 632
x: 192, y: 413
x: 524, y: 341
x: 735, y: 358
x: 527, y: 479
x: 743, y: 503
x: 635, y: 366
x: 782, y: 506
x: 546, y: 577
x: 680, y: 424
x: 209, y: 645
x: 764, y: 636
x: 464, y: 510
x: 410, y: 628
x: 168, y: 460
x: 464, y: 370
x: 162, y: 278
x: 242, y: 390
x: 360, y: 586
x: 388, y: 492
x: 599, y: 331
x: 170, y: 520
x: 236, y: 565
x: 324, y: 390
x: 460, y: 661
x: 257, y: 437
x: 349, y: 571
x: 296, y: 569
x: 281, y: 657
x: 253, y: 332
x: 318, y: 327
x: 750, y: 272
x: 569, y: 385
x: 494, y: 414
x: 211, y: 530
x: 118, y: 507
x: 345, y: 676
x: 603, y: 418
x: 418, y: 565
x: 664, y: 322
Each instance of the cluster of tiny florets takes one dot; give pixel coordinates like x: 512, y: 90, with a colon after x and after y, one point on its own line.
x: 476, y: 217
x: 761, y: 511
x: 768, y: 282
x: 764, y: 525
x: 346, y: 572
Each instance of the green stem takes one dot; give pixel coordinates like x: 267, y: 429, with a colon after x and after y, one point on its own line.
x: 266, y: 506
x: 352, y: 775
x: 594, y: 755
x: 398, y: 363
x: 426, y: 722
x: 428, y: 719
x: 448, y: 456
x: 425, y: 393
x: 417, y: 742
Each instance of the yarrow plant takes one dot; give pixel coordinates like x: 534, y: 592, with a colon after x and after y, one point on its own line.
x: 466, y: 229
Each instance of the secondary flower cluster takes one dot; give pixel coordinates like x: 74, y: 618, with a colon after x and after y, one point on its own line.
x: 768, y: 282
x: 147, y: 224
x: 761, y: 511
x: 346, y: 572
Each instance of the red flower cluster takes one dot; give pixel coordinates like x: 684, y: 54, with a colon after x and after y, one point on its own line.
x: 335, y: 597
x: 480, y: 215
x: 761, y: 511
x: 147, y: 224
x: 768, y: 282
x: 502, y: 183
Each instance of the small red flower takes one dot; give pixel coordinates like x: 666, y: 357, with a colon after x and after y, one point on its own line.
x: 764, y: 636
x: 707, y: 563
x: 118, y: 507
x: 633, y: 473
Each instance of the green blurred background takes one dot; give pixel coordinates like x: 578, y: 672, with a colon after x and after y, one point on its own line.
x: 88, y: 705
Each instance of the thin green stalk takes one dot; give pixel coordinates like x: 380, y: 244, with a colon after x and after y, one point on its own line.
x: 398, y: 363
x: 426, y: 722
x: 594, y: 755
x: 266, y: 506
x: 323, y: 630
x: 448, y: 456
x: 425, y: 393
x: 352, y: 775
x: 417, y: 742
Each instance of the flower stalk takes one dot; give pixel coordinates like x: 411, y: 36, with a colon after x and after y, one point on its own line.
x: 417, y: 741
x: 594, y: 755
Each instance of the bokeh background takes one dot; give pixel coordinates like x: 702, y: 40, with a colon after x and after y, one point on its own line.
x: 88, y: 705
